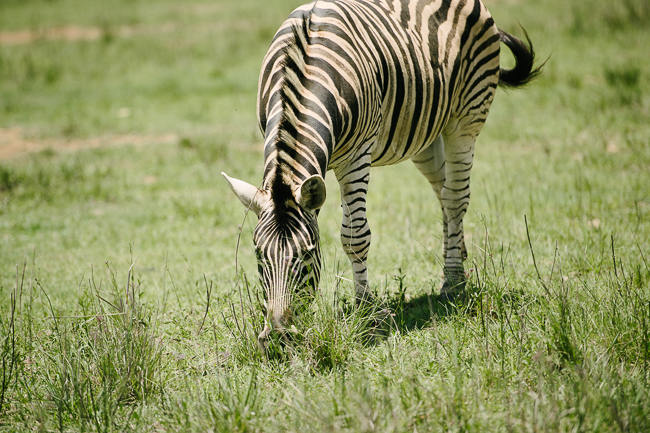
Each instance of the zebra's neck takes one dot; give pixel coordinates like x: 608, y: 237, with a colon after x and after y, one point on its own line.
x: 299, y: 138
x: 295, y: 152
x: 301, y: 117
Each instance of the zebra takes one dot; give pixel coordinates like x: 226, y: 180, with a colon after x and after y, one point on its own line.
x: 347, y: 85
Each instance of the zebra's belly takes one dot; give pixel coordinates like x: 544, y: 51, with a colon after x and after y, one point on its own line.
x: 417, y: 135
x: 413, y: 117
x: 396, y: 154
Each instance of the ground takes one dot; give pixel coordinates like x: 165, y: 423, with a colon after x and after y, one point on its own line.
x: 128, y: 294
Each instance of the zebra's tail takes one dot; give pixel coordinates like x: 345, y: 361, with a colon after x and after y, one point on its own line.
x: 524, y: 70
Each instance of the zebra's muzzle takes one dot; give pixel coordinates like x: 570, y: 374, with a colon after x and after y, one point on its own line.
x: 284, y: 332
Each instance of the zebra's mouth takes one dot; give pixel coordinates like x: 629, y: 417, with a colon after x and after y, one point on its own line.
x: 284, y: 332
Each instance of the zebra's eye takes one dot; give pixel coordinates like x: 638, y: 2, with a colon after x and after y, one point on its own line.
x: 308, y: 254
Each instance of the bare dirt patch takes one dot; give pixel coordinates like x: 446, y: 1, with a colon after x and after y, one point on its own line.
x: 78, y: 33
x: 14, y: 143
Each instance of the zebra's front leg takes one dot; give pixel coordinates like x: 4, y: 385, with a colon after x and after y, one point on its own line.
x: 355, y: 231
x: 459, y: 154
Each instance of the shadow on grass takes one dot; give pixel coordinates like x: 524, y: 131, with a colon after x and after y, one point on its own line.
x: 419, y: 312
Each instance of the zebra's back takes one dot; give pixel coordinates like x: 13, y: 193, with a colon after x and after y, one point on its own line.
x: 381, y: 76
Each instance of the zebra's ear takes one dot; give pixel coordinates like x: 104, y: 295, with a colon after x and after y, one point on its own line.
x: 311, y: 194
x: 250, y: 196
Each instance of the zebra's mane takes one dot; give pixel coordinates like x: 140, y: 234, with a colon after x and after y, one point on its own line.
x: 294, y: 54
x: 280, y: 194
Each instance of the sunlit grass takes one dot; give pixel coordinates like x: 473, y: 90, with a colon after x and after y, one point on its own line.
x: 122, y: 307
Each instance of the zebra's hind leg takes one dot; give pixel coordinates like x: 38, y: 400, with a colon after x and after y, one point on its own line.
x: 355, y: 231
x: 431, y: 163
x: 459, y: 156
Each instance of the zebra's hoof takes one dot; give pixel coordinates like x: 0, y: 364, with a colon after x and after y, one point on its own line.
x: 451, y: 289
x: 365, y: 300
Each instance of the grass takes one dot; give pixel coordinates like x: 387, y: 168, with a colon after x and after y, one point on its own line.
x: 121, y: 308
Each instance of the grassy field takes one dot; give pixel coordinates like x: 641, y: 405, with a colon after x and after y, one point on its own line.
x: 125, y: 305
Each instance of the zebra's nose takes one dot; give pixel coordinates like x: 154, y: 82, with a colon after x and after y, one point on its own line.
x: 278, y: 326
x: 280, y: 319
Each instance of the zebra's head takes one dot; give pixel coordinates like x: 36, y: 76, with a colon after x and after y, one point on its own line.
x: 286, y: 244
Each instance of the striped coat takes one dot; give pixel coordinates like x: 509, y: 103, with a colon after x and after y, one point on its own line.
x: 351, y: 84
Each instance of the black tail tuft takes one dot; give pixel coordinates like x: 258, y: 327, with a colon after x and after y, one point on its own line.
x: 524, y: 70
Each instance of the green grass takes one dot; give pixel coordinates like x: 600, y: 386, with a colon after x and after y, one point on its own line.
x: 121, y: 308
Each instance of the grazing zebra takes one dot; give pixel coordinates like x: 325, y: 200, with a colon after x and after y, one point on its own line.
x: 351, y: 84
